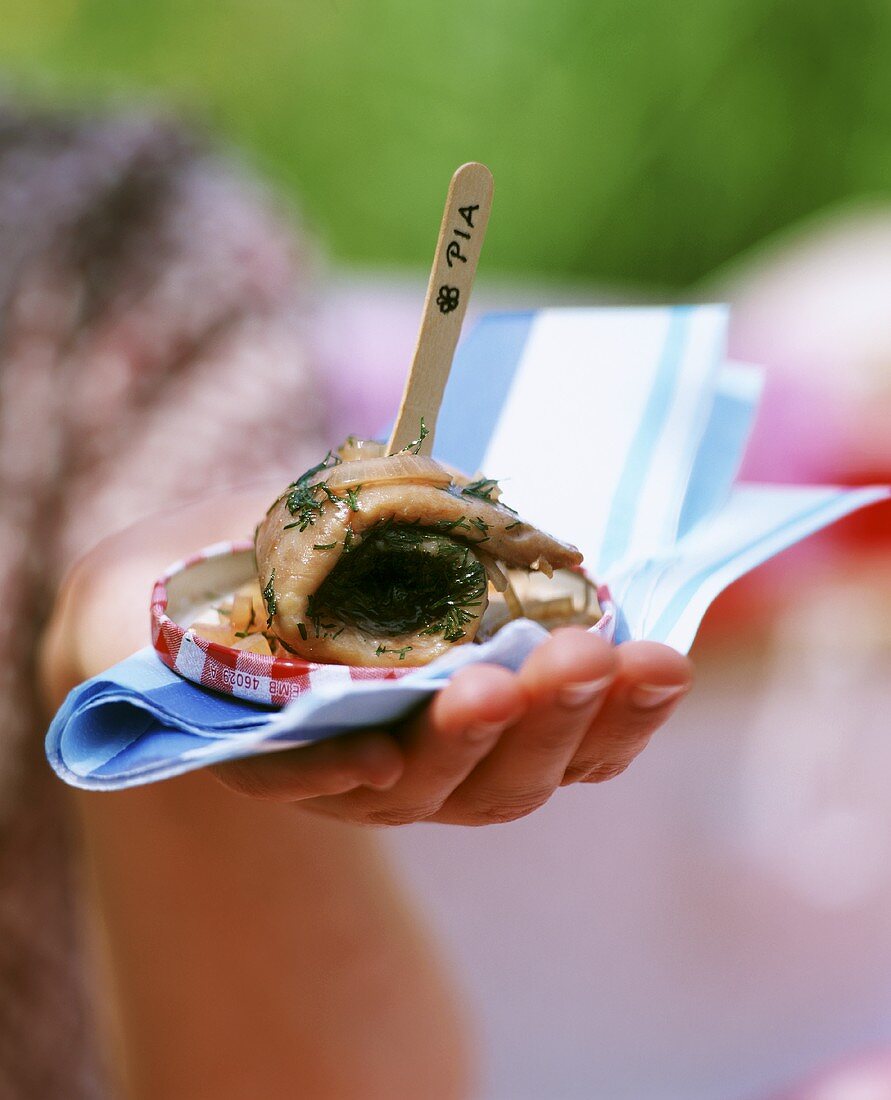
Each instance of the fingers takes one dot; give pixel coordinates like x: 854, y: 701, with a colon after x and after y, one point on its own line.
x: 493, y: 745
x: 441, y: 746
x: 326, y: 768
x: 651, y: 679
x: 565, y: 681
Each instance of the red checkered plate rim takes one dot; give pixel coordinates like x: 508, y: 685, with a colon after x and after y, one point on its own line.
x: 213, y: 574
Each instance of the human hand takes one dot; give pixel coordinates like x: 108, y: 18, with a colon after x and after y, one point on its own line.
x: 492, y: 746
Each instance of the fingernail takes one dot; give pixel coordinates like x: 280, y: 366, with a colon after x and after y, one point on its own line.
x: 485, y: 731
x: 650, y: 696
x: 580, y: 694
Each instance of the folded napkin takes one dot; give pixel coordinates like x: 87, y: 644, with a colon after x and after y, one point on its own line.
x: 618, y: 429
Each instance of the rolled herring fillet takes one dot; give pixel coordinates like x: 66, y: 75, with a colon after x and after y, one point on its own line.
x: 386, y: 560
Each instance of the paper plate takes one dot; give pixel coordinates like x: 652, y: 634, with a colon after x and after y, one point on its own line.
x: 191, y: 586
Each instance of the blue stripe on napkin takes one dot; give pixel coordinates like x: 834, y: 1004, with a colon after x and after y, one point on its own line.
x: 679, y: 621
x: 681, y: 599
x: 723, y: 443
x: 617, y: 535
x: 481, y: 377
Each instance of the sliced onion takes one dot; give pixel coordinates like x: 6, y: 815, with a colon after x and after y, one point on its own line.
x: 493, y: 570
x: 514, y: 606
x: 353, y: 449
x: 556, y: 608
x: 542, y: 565
x: 377, y: 471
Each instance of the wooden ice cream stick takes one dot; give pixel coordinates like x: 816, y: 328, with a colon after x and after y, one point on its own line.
x: 461, y: 235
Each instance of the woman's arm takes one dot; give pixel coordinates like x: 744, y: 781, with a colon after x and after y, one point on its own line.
x: 258, y: 950
x: 250, y: 948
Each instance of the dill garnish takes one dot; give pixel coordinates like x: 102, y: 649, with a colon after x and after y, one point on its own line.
x: 302, y: 499
x: 486, y: 489
x: 516, y: 523
x: 301, y: 627
x: 414, y: 447
x: 452, y: 524
x: 451, y: 626
x: 324, y: 545
x: 382, y: 649
x: 330, y: 459
x: 403, y: 578
x: 269, y: 598
x: 483, y: 527
x: 302, y: 482
x: 305, y: 501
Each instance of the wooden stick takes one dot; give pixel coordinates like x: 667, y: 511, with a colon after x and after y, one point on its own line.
x: 461, y: 235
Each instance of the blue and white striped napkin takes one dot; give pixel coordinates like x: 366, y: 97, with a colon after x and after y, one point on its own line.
x: 618, y: 429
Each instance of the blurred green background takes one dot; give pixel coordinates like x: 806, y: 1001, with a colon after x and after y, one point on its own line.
x: 635, y: 143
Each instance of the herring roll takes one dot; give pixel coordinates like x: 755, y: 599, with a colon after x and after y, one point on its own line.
x: 370, y: 559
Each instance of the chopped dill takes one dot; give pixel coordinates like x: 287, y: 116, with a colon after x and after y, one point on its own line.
x: 516, y: 523
x: 382, y: 649
x: 269, y: 598
x: 330, y: 459
x: 301, y: 627
x: 452, y: 524
x: 303, y: 503
x: 284, y: 644
x: 414, y: 447
x: 324, y: 545
x: 487, y: 489
x: 451, y: 625
x: 315, y: 618
x: 293, y: 496
x: 241, y: 633
x: 483, y: 527
x: 403, y: 578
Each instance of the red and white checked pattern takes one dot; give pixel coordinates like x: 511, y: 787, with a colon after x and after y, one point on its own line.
x: 255, y: 676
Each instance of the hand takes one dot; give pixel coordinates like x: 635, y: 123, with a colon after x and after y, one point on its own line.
x: 492, y: 746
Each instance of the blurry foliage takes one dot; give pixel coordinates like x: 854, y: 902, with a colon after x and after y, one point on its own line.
x: 632, y: 140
